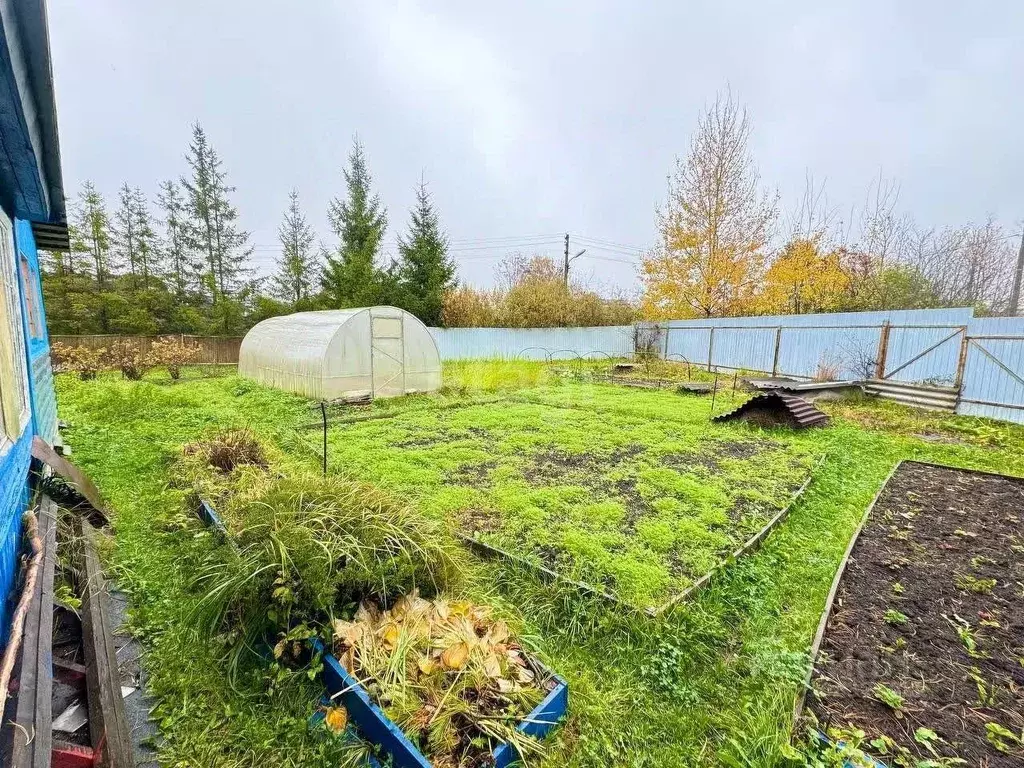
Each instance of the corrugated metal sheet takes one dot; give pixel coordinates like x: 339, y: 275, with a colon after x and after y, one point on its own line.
x: 987, y: 381
x: 847, y: 342
x: 534, y: 343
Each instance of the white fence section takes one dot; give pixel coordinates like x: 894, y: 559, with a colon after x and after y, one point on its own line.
x: 534, y: 343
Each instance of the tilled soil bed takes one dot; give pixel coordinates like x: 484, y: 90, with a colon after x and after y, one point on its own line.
x: 924, y: 647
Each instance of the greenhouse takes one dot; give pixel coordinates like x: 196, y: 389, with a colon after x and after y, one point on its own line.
x: 343, y: 354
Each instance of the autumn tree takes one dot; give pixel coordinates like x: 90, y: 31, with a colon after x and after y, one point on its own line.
x: 805, y: 277
x: 714, y: 226
x: 297, y: 268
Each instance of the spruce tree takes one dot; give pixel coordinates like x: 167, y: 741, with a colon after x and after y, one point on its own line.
x: 297, y: 269
x: 425, y: 270
x: 148, y: 251
x: 351, y: 277
x: 123, y: 239
x: 176, y: 253
x: 90, y: 234
x: 211, y: 226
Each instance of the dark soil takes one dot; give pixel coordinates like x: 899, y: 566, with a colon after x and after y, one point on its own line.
x: 953, y: 542
x: 474, y: 475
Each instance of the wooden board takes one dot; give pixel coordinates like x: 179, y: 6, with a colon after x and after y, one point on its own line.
x: 44, y: 452
x: 108, y: 724
x: 27, y: 739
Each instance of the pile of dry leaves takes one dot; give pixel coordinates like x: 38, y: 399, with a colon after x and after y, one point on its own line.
x: 447, y: 673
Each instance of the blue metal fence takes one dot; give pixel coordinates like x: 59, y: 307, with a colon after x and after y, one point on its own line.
x: 942, y: 347
x: 993, y: 381
x: 534, y: 343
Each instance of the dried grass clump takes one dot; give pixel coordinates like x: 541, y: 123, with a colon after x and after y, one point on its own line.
x: 447, y: 673
x: 308, y: 546
x: 229, y: 450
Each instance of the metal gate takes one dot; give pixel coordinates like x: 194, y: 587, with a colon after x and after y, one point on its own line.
x: 924, y: 354
x: 387, y: 359
x: 993, y: 382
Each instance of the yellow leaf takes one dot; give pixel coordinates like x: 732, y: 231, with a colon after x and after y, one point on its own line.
x: 426, y: 665
x: 390, y: 635
x: 455, y: 656
x: 336, y: 719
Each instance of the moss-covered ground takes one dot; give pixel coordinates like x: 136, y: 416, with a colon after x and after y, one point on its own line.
x: 582, y: 473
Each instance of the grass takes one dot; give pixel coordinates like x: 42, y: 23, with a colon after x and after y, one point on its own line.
x: 642, y: 505
x: 710, y: 683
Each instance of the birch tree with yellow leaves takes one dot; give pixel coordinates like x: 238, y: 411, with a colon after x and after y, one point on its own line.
x: 714, y: 227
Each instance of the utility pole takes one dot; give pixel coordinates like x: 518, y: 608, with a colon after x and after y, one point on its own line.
x: 565, y: 270
x: 1018, y: 275
x: 568, y: 261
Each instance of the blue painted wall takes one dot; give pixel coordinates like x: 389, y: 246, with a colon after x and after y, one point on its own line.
x: 14, y: 466
x: 44, y: 401
x: 15, y: 461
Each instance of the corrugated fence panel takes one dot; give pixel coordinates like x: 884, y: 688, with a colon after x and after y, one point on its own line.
x: 534, y: 343
x: 688, y: 344
x: 846, y: 341
x: 747, y: 348
x: 937, y: 351
x: 850, y: 353
x: 213, y: 350
x: 987, y: 382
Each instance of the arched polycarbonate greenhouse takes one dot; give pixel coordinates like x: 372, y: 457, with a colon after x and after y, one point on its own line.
x: 343, y: 354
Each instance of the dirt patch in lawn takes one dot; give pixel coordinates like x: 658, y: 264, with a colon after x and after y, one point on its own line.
x: 711, y: 458
x: 585, y: 468
x: 927, y: 631
x: 474, y: 475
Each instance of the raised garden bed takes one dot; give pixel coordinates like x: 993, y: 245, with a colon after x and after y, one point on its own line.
x: 374, y: 726
x: 922, y: 644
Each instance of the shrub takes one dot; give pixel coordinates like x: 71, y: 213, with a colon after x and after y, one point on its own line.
x: 532, y: 294
x: 84, y: 361
x: 129, y: 359
x: 172, y: 353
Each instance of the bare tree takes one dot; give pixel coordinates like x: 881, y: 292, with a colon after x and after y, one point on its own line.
x: 884, y: 231
x: 814, y: 217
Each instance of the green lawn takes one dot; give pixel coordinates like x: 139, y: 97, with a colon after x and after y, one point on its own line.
x: 576, y: 479
x: 553, y: 470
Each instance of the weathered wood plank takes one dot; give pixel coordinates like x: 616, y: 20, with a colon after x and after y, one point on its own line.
x: 108, y: 724
x: 27, y: 735
x: 44, y: 452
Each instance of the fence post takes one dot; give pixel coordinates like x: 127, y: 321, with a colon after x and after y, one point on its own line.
x: 883, y: 350
x: 668, y: 327
x: 775, y: 359
x: 711, y: 345
x: 961, y: 363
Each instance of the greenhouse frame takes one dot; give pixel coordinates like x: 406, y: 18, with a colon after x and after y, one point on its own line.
x: 343, y: 354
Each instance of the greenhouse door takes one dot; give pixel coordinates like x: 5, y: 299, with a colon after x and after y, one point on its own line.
x: 388, y: 356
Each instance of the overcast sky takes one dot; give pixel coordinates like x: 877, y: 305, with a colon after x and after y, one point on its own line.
x: 531, y: 119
